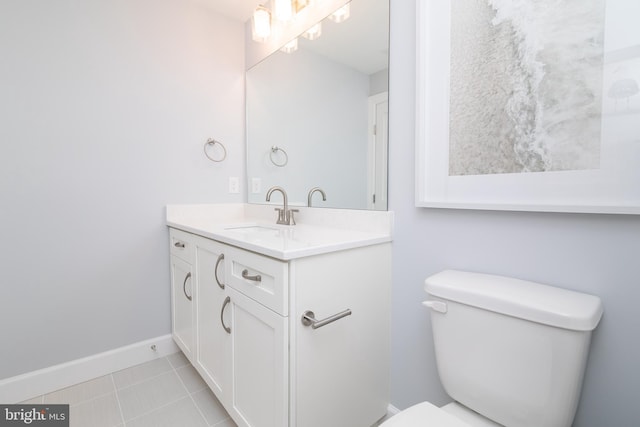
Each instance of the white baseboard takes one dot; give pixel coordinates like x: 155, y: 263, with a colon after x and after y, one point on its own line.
x: 43, y: 381
x: 392, y: 410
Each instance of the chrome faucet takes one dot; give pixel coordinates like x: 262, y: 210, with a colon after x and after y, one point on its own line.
x: 313, y: 190
x: 285, y: 215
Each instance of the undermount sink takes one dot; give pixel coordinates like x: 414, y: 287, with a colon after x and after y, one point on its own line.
x: 251, y: 228
x: 254, y: 231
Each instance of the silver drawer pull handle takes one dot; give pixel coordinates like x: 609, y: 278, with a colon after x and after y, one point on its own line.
x: 309, y: 318
x: 256, y: 278
x: 215, y: 271
x: 179, y: 245
x: 227, y: 300
x: 184, y: 286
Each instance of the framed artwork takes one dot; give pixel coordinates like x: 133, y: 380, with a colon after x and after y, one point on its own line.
x: 528, y: 105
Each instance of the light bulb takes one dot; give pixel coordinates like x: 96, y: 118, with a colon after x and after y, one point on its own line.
x: 341, y: 14
x: 290, y: 47
x: 283, y: 10
x: 261, y: 24
x: 313, y: 32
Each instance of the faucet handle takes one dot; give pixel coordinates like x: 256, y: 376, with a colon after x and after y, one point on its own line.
x: 292, y: 220
x: 281, y: 216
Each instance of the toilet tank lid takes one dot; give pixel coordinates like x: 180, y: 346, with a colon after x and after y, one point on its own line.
x: 544, y: 304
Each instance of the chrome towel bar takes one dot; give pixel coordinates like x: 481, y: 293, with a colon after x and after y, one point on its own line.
x: 309, y: 318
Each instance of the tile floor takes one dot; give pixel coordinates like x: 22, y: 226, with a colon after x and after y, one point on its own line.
x: 166, y: 392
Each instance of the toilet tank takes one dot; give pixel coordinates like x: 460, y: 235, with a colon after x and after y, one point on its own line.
x: 511, y: 350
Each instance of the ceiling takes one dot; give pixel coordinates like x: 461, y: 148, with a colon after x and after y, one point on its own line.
x: 240, y: 10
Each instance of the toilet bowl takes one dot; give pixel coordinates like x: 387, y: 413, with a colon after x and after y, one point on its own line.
x: 426, y: 414
x: 509, y: 352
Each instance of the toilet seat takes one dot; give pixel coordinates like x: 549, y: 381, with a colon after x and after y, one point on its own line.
x: 424, y: 414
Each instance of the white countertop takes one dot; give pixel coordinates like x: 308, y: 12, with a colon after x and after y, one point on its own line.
x: 253, y: 227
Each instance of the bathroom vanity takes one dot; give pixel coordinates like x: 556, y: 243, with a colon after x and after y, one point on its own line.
x: 288, y: 325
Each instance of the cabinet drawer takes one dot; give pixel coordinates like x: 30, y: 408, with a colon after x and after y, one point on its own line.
x: 261, y: 278
x: 182, y: 245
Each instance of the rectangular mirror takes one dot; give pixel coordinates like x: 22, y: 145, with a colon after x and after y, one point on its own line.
x: 318, y: 116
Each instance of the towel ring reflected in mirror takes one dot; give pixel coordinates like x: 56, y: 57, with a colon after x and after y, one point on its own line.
x: 212, y: 142
x: 274, y: 150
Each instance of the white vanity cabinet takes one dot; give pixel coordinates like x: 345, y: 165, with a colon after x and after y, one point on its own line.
x: 266, y: 366
x: 242, y: 344
x: 182, y: 291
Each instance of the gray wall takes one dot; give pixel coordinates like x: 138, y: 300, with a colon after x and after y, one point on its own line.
x: 104, y: 110
x: 596, y: 254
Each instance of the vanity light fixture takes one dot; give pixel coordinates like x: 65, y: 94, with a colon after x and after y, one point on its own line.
x: 261, y: 24
x: 301, y: 4
x: 283, y: 10
x: 341, y: 14
x: 313, y: 32
x: 290, y: 47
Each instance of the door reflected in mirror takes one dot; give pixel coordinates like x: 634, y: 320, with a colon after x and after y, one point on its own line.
x: 317, y: 116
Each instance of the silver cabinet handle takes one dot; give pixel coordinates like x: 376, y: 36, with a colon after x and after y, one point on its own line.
x: 309, y: 318
x: 184, y: 286
x: 256, y: 278
x: 215, y: 271
x: 179, y: 245
x: 227, y: 300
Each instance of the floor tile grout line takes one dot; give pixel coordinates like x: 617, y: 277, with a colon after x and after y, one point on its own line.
x: 198, y: 408
x: 190, y: 394
x: 118, y: 400
x: 116, y: 391
x: 154, y: 409
x: 146, y: 379
x: 173, y: 370
x: 176, y: 367
x: 81, y: 402
x: 206, y: 387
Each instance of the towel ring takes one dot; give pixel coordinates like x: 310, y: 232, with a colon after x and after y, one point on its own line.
x: 212, y: 142
x: 275, y: 149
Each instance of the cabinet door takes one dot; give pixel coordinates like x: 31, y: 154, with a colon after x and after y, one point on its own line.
x: 182, y: 297
x: 260, y: 361
x: 340, y: 371
x: 213, y: 360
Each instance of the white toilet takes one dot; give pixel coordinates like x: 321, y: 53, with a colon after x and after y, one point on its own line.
x: 509, y: 352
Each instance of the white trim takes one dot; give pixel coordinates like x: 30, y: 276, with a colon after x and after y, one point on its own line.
x: 373, y: 102
x: 47, y: 380
x: 392, y: 410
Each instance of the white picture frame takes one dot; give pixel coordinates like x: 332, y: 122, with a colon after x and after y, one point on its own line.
x: 613, y: 188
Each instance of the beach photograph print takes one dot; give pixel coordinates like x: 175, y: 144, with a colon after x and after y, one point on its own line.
x: 525, y: 86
